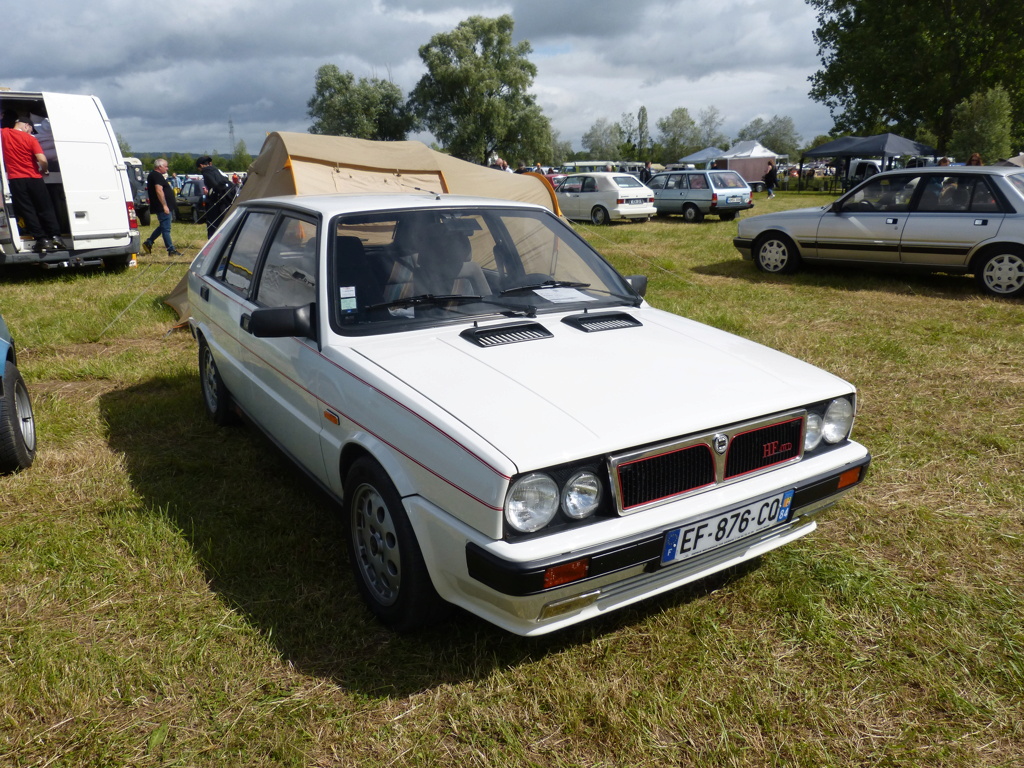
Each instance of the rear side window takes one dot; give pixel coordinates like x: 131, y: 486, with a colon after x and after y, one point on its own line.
x: 730, y: 180
x: 698, y: 181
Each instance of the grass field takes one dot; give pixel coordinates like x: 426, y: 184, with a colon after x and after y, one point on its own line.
x: 174, y: 594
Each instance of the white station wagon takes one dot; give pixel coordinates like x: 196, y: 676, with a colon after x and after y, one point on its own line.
x: 508, y: 426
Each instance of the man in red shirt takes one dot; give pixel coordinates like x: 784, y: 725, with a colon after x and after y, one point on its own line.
x: 26, y: 165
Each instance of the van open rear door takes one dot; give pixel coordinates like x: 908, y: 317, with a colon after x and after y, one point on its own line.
x: 90, y: 170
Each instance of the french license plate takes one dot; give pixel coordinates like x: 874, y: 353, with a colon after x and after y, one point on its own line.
x: 724, y: 528
x: 734, y: 199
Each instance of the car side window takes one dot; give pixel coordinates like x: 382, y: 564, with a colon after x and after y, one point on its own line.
x: 657, y: 182
x: 288, y: 277
x: 571, y: 184
x: 886, y: 194
x: 239, y: 260
x: 590, y: 184
x: 698, y: 182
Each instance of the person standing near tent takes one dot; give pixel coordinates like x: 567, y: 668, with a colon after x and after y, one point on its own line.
x: 161, y: 198
x: 770, y: 179
x: 219, y: 191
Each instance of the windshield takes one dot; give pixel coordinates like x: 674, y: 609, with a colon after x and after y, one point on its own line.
x: 391, y: 269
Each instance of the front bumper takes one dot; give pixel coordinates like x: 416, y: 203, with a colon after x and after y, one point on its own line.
x: 745, y: 246
x: 504, y: 582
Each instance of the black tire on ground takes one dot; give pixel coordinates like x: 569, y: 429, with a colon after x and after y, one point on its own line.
x: 17, y: 424
x: 776, y: 254
x: 728, y: 216
x: 216, y: 396
x: 195, y: 216
x: 385, y: 556
x: 692, y: 214
x: 144, y: 217
x: 1000, y: 272
x: 599, y: 215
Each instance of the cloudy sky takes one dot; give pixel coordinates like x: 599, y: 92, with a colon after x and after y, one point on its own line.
x: 175, y: 76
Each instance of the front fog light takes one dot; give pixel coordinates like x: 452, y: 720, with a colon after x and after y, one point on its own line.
x: 581, y: 496
x: 838, y: 420
x: 812, y: 436
x: 532, y: 502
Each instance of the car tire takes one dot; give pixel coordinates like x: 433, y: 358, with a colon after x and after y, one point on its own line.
x: 1000, y: 272
x: 387, y: 564
x: 776, y: 254
x: 692, y: 214
x: 17, y: 424
x: 756, y: 187
x: 599, y: 215
x: 144, y: 217
x: 216, y: 397
x: 728, y: 216
x: 195, y: 216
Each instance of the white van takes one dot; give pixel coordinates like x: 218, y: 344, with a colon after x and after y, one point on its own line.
x: 87, y: 183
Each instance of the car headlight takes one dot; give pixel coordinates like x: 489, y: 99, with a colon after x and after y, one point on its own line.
x: 581, y: 495
x: 812, y: 435
x: 838, y: 420
x: 532, y: 502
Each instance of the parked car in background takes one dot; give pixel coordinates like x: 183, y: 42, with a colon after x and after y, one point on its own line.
x: 938, y: 219
x: 17, y: 425
x: 602, y: 197
x: 695, y: 194
x: 192, y: 201
x: 508, y: 426
x: 140, y: 190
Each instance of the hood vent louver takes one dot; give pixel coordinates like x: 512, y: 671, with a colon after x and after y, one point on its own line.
x: 601, y: 321
x: 499, y: 335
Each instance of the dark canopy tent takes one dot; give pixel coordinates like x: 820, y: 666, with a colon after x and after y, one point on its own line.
x: 884, y: 145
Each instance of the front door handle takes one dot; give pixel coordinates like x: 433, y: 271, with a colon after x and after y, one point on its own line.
x: 892, y: 221
x: 204, y: 292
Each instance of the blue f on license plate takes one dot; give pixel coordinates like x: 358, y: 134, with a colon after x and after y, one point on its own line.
x: 725, y: 528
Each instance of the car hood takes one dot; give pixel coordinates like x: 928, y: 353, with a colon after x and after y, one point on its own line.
x: 780, y: 218
x: 576, y: 394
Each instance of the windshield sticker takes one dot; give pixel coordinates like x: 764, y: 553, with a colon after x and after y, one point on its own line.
x: 562, y: 295
x: 347, y: 298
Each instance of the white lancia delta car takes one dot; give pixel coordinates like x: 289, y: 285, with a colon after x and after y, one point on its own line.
x: 508, y: 426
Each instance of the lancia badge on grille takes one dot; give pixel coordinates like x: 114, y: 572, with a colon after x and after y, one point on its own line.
x: 720, y: 443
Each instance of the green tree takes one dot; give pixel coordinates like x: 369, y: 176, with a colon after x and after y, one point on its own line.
x: 778, y: 134
x: 893, y: 66
x: 603, y: 140
x: 241, y: 159
x: 981, y: 124
x: 474, y: 97
x: 368, y: 109
x: 709, y: 129
x: 677, y: 135
x: 643, y: 135
x: 125, y: 147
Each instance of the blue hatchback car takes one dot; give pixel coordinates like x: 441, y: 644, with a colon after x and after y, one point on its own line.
x: 17, y: 426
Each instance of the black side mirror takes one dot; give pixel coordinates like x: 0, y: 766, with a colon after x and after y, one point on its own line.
x: 281, y: 322
x: 638, y: 283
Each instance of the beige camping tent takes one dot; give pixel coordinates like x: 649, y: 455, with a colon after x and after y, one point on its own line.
x: 306, y: 164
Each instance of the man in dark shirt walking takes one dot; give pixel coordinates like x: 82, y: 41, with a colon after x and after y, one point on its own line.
x: 219, y: 192
x: 161, y: 198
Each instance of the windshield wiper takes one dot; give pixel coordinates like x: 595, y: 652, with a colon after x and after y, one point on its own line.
x: 545, y: 284
x: 425, y: 299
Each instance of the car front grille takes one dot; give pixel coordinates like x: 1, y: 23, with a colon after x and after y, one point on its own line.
x: 661, y: 473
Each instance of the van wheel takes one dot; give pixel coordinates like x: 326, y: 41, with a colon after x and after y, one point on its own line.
x: 386, y: 561
x: 17, y: 424
x: 1001, y: 272
x: 216, y: 396
x: 692, y: 214
x: 776, y: 254
x: 117, y: 263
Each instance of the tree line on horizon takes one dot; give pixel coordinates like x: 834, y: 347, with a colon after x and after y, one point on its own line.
x: 881, y: 72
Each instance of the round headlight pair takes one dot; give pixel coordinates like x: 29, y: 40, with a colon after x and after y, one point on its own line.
x: 534, y: 499
x: 832, y: 428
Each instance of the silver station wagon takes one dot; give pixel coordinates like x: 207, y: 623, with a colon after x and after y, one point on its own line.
x: 506, y: 424
x: 695, y: 194
x: 957, y: 219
